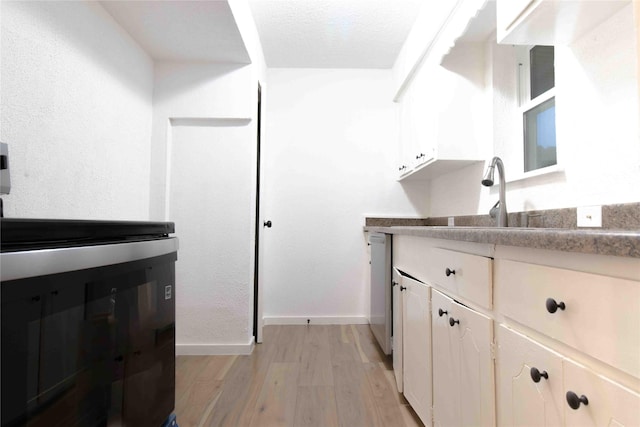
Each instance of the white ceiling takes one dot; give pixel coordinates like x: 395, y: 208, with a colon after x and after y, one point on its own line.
x: 333, y: 33
x: 293, y: 33
x: 182, y: 30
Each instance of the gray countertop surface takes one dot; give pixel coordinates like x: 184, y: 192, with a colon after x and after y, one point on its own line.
x: 624, y: 243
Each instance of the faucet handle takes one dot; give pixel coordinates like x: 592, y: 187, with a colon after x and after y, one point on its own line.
x: 493, y: 212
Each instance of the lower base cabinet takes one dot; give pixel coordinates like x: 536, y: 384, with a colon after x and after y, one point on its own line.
x: 539, y: 387
x: 528, y: 382
x: 463, y: 373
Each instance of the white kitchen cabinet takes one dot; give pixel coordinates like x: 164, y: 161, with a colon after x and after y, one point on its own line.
x: 463, y: 373
x: 550, y: 22
x: 461, y: 274
x: 529, y: 384
x: 444, y: 108
x: 584, y: 342
x: 443, y: 116
x: 396, y: 281
x: 543, y: 398
x: 416, y: 328
x: 563, y: 303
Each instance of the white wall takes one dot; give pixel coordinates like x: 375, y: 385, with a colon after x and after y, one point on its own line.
x: 214, y: 302
x: 597, y: 122
x: 76, y: 112
x: 330, y: 147
x: 202, y: 96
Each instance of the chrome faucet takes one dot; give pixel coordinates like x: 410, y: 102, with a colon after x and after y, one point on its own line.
x: 487, y: 181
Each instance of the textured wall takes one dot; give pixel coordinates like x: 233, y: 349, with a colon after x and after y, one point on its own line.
x: 597, y: 129
x: 330, y: 142
x: 204, y: 153
x: 76, y: 113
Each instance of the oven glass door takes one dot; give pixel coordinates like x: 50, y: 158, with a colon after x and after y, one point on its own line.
x: 92, y: 347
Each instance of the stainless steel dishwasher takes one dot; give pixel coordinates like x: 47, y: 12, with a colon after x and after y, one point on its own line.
x: 380, y: 312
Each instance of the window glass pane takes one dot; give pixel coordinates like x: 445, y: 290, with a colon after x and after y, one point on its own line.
x: 542, y: 72
x: 540, y: 136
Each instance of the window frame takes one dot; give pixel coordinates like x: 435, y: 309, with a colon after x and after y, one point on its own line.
x: 524, y: 104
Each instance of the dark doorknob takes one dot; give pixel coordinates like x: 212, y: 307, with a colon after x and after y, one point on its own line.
x: 442, y: 312
x: 574, y: 401
x: 453, y: 321
x: 267, y: 224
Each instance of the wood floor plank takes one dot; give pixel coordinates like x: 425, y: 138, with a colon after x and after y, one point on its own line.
x: 409, y: 416
x: 233, y: 397
x: 187, y: 369
x: 316, y: 407
x: 354, y: 398
x: 276, y: 405
x: 316, y: 369
x: 342, y: 344
x: 384, y: 395
x: 197, y: 403
x: 290, y: 343
x: 306, y: 375
x: 368, y: 346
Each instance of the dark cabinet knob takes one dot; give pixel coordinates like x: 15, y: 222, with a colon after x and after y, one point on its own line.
x: 118, y: 358
x: 394, y: 284
x: 449, y: 272
x: 442, y: 312
x: 267, y: 224
x: 402, y: 288
x: 35, y: 299
x: 401, y: 168
x: 453, y: 322
x: 536, y: 375
x: 553, y: 306
x: 419, y: 156
x: 574, y: 401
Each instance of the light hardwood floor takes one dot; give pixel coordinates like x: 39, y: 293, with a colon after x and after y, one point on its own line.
x: 300, y: 376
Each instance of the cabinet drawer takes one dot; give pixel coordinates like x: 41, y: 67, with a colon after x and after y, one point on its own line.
x: 609, y: 403
x: 468, y: 276
x: 601, y: 314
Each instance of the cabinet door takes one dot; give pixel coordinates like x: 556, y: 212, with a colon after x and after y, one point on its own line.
x: 397, y: 328
x: 526, y: 398
x: 608, y: 404
x: 463, y: 380
x: 416, y: 324
x: 446, y: 360
x: 474, y: 334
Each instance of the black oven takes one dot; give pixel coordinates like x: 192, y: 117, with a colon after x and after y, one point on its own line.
x: 88, y: 323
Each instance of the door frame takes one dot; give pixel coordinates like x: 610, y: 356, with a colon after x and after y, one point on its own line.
x: 258, y: 256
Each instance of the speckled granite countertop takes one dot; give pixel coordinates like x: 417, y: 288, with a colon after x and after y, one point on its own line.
x: 624, y: 243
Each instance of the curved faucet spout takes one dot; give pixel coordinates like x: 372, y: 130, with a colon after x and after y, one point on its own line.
x: 487, y: 181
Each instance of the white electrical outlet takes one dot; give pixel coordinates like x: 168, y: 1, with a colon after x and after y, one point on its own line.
x: 589, y: 216
x: 450, y: 221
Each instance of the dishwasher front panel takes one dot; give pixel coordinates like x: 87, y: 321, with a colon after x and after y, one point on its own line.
x: 380, y: 310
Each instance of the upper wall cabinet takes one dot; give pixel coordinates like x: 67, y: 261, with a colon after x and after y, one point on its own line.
x: 550, y: 22
x: 444, y: 103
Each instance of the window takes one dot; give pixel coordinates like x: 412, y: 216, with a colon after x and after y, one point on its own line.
x: 538, y: 106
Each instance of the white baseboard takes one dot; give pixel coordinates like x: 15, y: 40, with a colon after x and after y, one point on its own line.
x: 320, y: 320
x: 214, y: 349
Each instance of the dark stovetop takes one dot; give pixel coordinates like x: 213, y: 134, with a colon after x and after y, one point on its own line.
x: 23, y: 234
